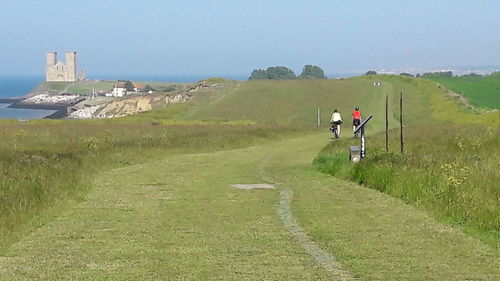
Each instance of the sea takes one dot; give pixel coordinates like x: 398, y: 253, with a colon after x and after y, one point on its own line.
x: 19, y: 86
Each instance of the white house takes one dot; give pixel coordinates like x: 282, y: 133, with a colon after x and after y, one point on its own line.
x: 119, y: 90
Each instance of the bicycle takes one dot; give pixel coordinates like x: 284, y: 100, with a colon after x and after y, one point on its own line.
x: 334, y: 128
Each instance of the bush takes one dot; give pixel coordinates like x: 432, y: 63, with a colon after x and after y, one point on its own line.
x: 258, y: 74
x: 312, y: 72
x: 280, y: 72
x: 274, y: 72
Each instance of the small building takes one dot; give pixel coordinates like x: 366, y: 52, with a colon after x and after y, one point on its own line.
x: 138, y: 87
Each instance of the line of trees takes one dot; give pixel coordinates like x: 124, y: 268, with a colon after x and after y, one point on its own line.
x: 439, y: 74
x: 283, y: 72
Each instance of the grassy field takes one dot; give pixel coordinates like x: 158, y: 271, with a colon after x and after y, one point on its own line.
x: 44, y: 162
x: 148, y: 196
x: 179, y: 219
x: 481, y: 91
x: 456, y: 178
x: 450, y: 165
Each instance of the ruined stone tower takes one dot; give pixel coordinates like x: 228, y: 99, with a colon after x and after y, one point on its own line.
x: 59, y: 71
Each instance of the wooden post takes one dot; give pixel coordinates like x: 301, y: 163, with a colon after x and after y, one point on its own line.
x: 319, y: 118
x: 387, y: 123
x: 401, y: 121
x: 363, y: 142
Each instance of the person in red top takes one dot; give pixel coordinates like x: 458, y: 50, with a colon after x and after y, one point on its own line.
x: 356, y: 118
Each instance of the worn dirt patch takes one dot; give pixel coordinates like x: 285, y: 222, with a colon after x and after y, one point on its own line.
x: 254, y: 186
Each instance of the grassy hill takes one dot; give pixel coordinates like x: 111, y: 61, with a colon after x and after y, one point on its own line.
x: 449, y: 170
x: 295, y: 102
x: 435, y: 122
x: 481, y: 91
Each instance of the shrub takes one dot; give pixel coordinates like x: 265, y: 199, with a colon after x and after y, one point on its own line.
x: 312, y: 72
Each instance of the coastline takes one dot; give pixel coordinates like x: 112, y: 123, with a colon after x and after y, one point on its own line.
x: 61, y: 110
x: 11, y: 100
x: 61, y: 101
x: 60, y: 114
x: 22, y: 105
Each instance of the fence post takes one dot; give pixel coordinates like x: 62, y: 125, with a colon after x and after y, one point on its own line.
x: 387, y: 123
x: 401, y: 121
x: 319, y: 118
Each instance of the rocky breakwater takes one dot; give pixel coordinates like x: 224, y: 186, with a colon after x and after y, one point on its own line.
x: 49, y: 102
x: 46, y: 101
x: 129, y: 106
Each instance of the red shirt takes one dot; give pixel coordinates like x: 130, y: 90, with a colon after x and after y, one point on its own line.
x: 356, y: 115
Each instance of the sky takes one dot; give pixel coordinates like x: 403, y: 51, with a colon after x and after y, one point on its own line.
x: 215, y: 37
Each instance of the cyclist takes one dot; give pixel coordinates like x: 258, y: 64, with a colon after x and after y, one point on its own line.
x: 336, y: 120
x: 356, y: 118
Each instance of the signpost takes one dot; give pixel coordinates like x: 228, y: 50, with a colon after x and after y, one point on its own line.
x: 361, y: 129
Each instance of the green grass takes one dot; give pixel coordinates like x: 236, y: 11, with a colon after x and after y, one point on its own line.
x: 377, y: 236
x: 58, y: 86
x: 159, y: 183
x: 456, y: 178
x: 86, y: 89
x: 450, y: 163
x: 43, y: 162
x: 293, y: 102
x: 179, y: 219
x: 283, y: 102
x: 481, y: 91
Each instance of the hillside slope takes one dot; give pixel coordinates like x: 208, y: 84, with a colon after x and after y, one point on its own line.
x: 167, y: 209
x: 481, y: 91
x: 296, y: 101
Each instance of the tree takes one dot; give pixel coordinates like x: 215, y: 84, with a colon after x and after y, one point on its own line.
x: 258, y: 74
x: 471, y: 75
x: 148, y: 88
x: 438, y: 74
x: 129, y: 85
x: 371, y: 72
x: 312, y: 72
x: 274, y: 72
x: 405, y: 74
x: 280, y: 72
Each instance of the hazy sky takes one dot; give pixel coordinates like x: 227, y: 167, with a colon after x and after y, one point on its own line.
x: 233, y: 37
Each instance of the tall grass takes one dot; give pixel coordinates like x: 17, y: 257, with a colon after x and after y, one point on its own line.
x: 43, y: 163
x: 451, y: 162
x: 450, y: 170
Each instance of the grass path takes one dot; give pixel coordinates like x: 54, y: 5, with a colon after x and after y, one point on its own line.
x: 375, y: 236
x: 179, y: 219
x: 323, y: 257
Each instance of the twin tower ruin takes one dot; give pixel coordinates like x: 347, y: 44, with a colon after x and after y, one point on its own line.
x: 59, y: 71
